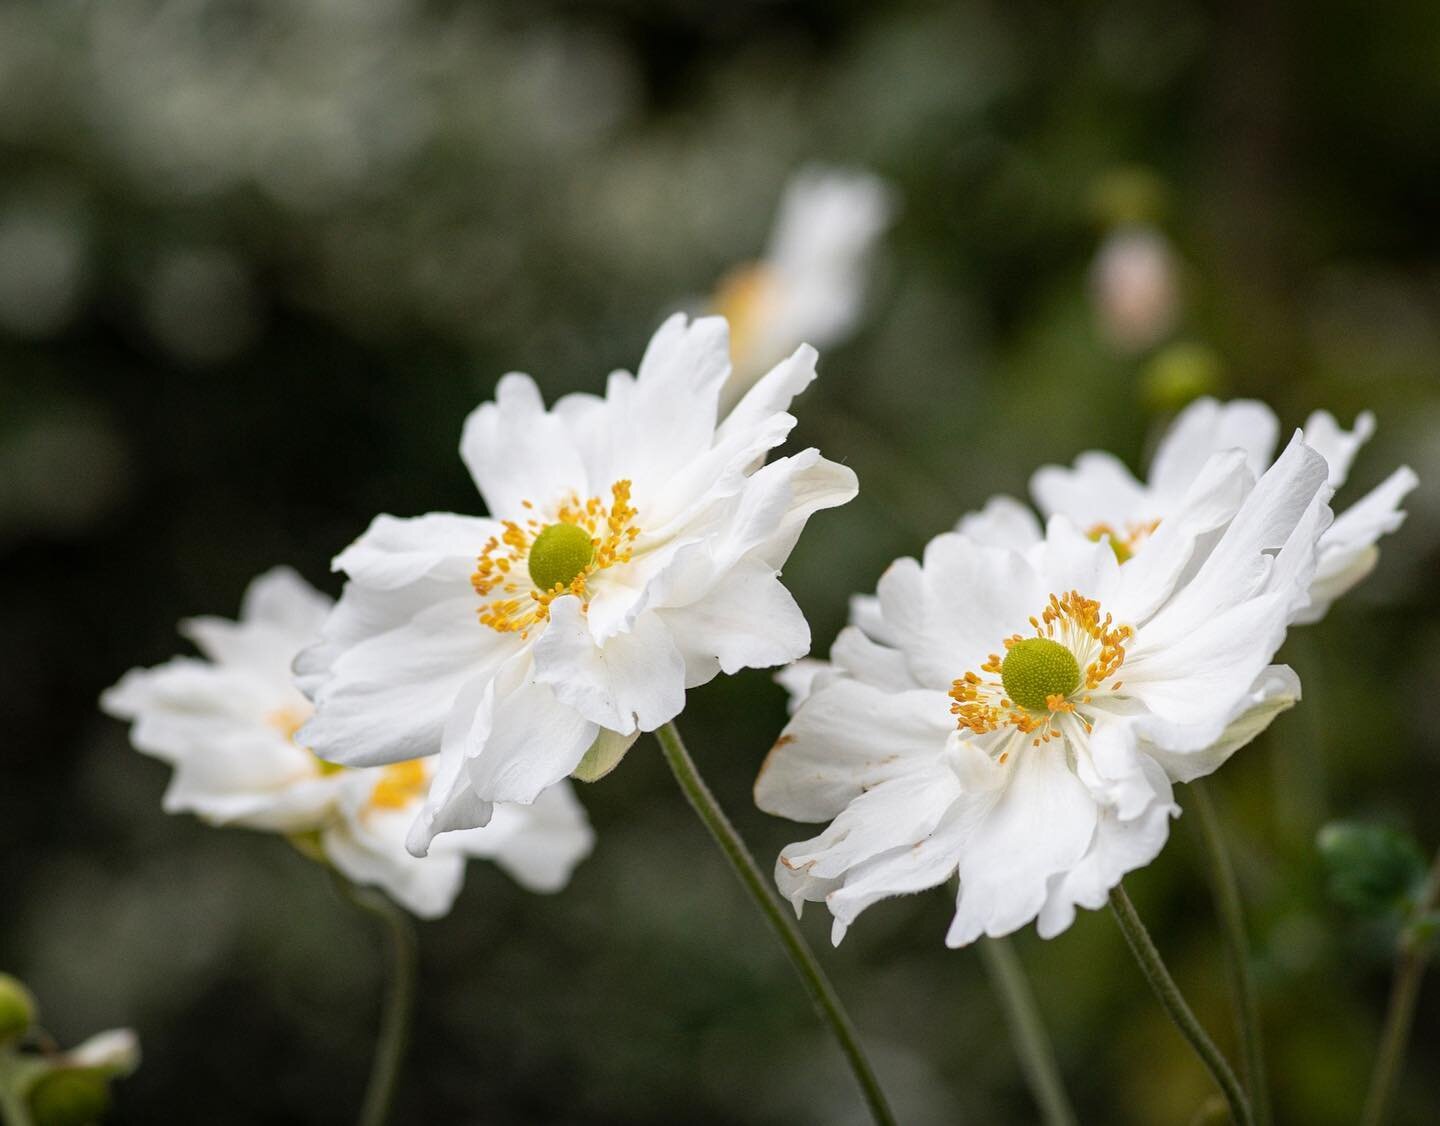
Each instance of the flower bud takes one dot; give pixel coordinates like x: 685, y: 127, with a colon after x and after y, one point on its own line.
x: 1373, y: 869
x: 70, y: 1096
x: 1178, y: 375
x: 17, y: 1009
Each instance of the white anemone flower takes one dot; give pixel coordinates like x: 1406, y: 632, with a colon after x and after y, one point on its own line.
x: 1018, y: 714
x: 1101, y: 496
x: 810, y: 284
x: 227, y: 725
x: 632, y: 552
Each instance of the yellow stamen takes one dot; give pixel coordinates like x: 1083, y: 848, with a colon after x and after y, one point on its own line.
x: 513, y: 603
x: 1124, y: 546
x: 400, y: 784
x: 981, y: 704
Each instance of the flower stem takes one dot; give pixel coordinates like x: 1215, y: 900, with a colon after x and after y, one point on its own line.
x: 1175, y: 1006
x: 1027, y: 1030
x: 1232, y: 928
x: 822, y: 993
x: 399, y: 1011
x: 1404, y: 992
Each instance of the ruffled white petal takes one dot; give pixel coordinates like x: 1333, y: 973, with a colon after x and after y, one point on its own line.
x: 1201, y: 430
x: 1003, y: 522
x: 635, y: 681
x: 517, y: 451
x: 849, y: 738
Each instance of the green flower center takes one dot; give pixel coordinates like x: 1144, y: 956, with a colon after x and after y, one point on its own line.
x: 1036, y: 669
x: 560, y: 553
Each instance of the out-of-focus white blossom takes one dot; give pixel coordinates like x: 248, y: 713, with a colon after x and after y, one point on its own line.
x: 227, y: 725
x: 1135, y: 286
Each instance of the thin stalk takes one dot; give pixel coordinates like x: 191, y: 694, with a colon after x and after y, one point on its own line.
x: 1027, y: 1030
x: 781, y: 921
x: 1232, y: 928
x: 1175, y: 1006
x: 1404, y: 993
x: 398, y: 1012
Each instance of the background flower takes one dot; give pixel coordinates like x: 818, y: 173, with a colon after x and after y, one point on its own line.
x: 227, y: 725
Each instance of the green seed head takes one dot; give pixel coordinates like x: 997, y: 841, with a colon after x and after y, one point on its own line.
x: 1036, y: 669
x: 559, y: 553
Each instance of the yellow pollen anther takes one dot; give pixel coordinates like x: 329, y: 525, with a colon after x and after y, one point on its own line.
x: 1123, y: 545
x: 400, y: 785
x: 524, y: 569
x: 1037, y: 679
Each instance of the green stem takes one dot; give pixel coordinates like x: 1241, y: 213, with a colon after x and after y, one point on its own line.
x: 398, y: 1013
x: 1404, y: 993
x: 822, y: 993
x: 1232, y: 929
x: 1027, y: 1030
x: 1175, y: 1006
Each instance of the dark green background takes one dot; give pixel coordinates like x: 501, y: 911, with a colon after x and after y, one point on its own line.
x: 283, y: 249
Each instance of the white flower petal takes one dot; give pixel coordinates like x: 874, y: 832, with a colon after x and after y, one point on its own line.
x: 1118, y: 848
x: 1206, y: 428
x: 748, y: 621
x: 1039, y: 824
x: 636, y: 679
x: 1337, y: 446
x: 532, y: 743
x: 1003, y: 522
x: 517, y: 451
x: 1099, y: 490
x: 845, y: 739
x: 1190, y: 752
x: 1347, y: 549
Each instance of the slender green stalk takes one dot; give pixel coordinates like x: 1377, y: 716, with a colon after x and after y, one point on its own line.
x: 1237, y: 949
x: 1404, y: 992
x: 396, y: 1017
x: 1175, y: 1006
x: 781, y: 921
x: 1027, y: 1030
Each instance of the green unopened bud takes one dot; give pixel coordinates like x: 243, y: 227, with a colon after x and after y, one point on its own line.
x: 1129, y: 194
x: 17, y: 1009
x: 603, y: 756
x: 1180, y: 374
x: 70, y: 1096
x: 560, y: 553
x: 1372, y: 868
x: 1036, y: 669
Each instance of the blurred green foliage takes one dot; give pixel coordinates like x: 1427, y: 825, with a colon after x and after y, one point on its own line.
x: 257, y: 260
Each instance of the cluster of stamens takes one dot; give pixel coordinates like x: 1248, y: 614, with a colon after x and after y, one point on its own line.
x: 1123, y: 544
x: 507, y: 577
x: 1038, y: 679
x: 400, y: 784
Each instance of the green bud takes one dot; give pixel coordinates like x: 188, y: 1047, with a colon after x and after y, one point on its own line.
x: 603, y: 756
x: 70, y: 1096
x: 559, y: 553
x: 1129, y: 194
x: 1179, y: 374
x: 1372, y: 868
x: 17, y: 1009
x: 1036, y: 669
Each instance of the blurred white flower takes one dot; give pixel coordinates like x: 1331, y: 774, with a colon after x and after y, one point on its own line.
x: 809, y: 286
x: 227, y: 722
x: 1101, y: 495
x: 632, y: 552
x: 1135, y: 287
x: 1017, y: 714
